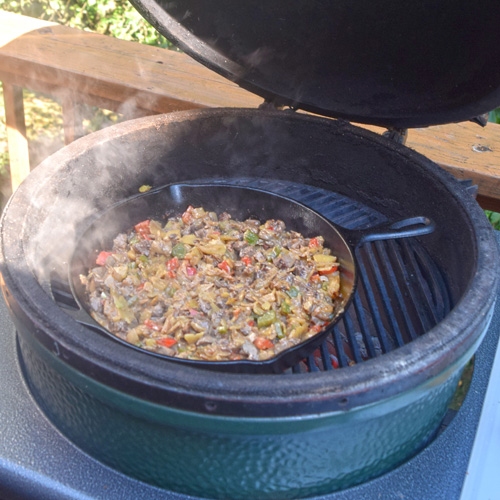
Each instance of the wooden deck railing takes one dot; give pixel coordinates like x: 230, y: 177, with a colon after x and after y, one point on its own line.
x: 79, y: 67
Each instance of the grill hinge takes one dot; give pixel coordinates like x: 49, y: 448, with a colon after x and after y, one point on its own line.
x: 398, y: 135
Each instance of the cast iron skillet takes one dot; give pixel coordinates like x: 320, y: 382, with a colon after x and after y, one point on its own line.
x: 241, y: 203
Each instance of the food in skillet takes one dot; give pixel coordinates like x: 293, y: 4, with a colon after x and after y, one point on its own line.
x: 208, y: 287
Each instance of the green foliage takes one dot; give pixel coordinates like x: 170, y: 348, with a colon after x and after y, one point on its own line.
x: 110, y: 17
x: 495, y: 116
x: 494, y: 218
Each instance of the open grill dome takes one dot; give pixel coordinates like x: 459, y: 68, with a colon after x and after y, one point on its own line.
x: 392, y: 64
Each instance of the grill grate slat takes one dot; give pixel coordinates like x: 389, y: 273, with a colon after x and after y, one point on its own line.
x: 339, y: 347
x: 437, y: 286
x: 351, y: 336
x: 399, y: 299
x: 384, y: 297
x: 401, y: 293
x: 424, y: 303
x: 326, y: 356
x: 370, y: 297
x: 364, y: 328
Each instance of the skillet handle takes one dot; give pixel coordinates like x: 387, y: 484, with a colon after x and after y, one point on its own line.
x: 413, y: 226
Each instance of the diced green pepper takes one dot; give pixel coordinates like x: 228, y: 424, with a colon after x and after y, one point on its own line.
x: 122, y: 306
x: 285, y: 307
x: 273, y: 253
x: 251, y: 237
x: 179, y: 251
x: 293, y: 292
x: 267, y: 319
x: 279, y: 331
x: 143, y: 258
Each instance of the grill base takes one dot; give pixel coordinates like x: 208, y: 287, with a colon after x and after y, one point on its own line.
x: 36, y: 461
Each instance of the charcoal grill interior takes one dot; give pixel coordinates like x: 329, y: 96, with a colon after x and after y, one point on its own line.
x: 401, y: 293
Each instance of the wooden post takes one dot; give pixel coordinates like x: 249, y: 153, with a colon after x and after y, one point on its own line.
x: 16, y: 134
x: 72, y: 120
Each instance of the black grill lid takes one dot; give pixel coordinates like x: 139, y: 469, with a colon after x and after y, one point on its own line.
x: 392, y: 63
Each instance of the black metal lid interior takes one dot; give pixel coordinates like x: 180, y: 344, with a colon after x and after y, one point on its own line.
x: 395, y: 64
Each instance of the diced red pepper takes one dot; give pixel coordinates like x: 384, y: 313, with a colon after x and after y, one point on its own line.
x: 172, y: 264
x: 151, y: 324
x: 313, y: 243
x: 190, y: 271
x: 224, y: 265
x: 102, y: 257
x: 143, y: 229
x: 315, y: 278
x: 166, y: 341
x: 329, y: 271
x: 262, y: 343
x: 316, y: 328
x: 140, y: 287
x: 247, y: 260
x: 187, y: 216
x: 251, y: 323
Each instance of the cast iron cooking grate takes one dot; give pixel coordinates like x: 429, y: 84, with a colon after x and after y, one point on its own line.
x: 401, y: 292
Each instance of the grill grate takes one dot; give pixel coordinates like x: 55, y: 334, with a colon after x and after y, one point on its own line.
x: 401, y: 293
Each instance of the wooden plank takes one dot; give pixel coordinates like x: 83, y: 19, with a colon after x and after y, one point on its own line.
x: 72, y: 119
x: 155, y: 79
x: 488, y: 203
x: 16, y: 134
x: 466, y: 150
